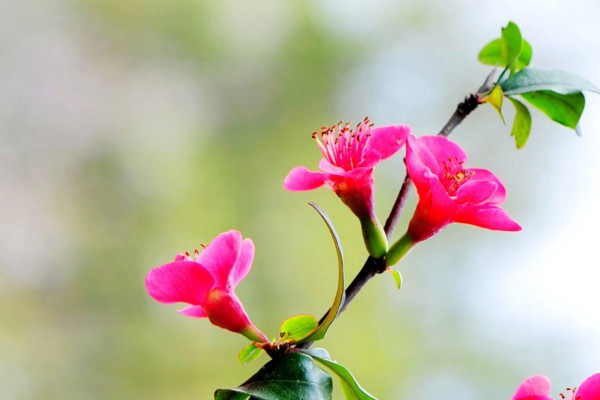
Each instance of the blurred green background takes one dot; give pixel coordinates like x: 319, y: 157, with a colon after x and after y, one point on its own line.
x: 132, y: 130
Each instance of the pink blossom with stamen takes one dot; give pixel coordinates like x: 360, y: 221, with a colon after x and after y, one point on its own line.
x: 538, y: 388
x: 207, y: 283
x: 349, y: 156
x: 449, y: 192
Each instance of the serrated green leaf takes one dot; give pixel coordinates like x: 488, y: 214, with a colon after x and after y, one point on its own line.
x: 511, y: 43
x: 351, y: 388
x: 288, y: 376
x: 533, y: 79
x: 340, y: 294
x: 249, y: 353
x: 298, y: 327
x: 494, y: 98
x: 522, y: 123
x: 566, y: 109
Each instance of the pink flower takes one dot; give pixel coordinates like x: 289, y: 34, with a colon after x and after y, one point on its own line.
x: 208, y: 282
x: 349, y: 157
x: 538, y: 388
x: 450, y: 193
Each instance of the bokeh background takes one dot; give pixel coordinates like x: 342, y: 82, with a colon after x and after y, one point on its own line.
x: 132, y: 130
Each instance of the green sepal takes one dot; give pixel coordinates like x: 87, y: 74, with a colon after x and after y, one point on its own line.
x: 340, y: 295
x: 297, y: 328
x: 522, y: 123
x: 287, y: 376
x: 249, y: 354
x: 566, y: 109
x: 374, y: 237
x: 351, y: 388
x: 533, y: 79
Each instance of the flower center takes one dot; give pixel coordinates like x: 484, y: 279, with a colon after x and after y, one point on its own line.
x: 453, y: 175
x: 571, y: 394
x: 341, y: 145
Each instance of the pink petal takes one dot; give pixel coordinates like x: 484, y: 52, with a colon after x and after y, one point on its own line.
x: 490, y: 217
x: 329, y: 168
x: 221, y: 255
x: 384, y: 142
x: 225, y: 309
x: 182, y: 281
x: 589, y: 389
x: 537, y: 385
x: 243, y: 264
x: 300, y: 179
x: 484, y: 175
x: 193, y: 311
x: 418, y: 161
x: 432, y: 150
x: 476, y: 192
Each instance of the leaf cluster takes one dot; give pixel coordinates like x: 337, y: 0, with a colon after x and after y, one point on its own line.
x: 557, y: 93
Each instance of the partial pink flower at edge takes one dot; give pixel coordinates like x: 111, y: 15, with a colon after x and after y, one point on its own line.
x: 448, y: 192
x: 207, y: 283
x: 538, y: 388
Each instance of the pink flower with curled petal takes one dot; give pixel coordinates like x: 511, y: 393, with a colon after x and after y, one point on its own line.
x: 207, y: 283
x: 349, y: 156
x: 448, y: 192
x: 538, y: 388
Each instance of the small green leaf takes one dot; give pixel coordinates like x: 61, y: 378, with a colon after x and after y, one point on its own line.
x: 397, y: 277
x: 494, y: 98
x: 511, y: 43
x: 522, y: 123
x: 352, y: 389
x: 340, y: 295
x: 297, y: 327
x: 288, y: 376
x: 533, y: 79
x: 525, y: 57
x: 566, y: 109
x: 249, y: 353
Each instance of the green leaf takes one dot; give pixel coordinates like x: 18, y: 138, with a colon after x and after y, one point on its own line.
x: 566, y: 109
x: 522, y: 123
x: 340, y: 294
x: 533, y: 79
x: 510, y: 50
x: 511, y: 43
x: 298, y: 327
x: 494, y: 98
x: 397, y: 277
x: 288, y: 376
x: 352, y: 389
x: 525, y: 56
x: 249, y: 353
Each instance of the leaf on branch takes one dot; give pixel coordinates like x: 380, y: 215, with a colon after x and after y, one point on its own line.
x: 249, y: 353
x: 288, y: 376
x: 533, y: 79
x: 397, y: 277
x: 566, y: 109
x: 351, y: 388
x: 509, y: 50
x: 340, y: 294
x: 522, y: 123
x: 494, y: 98
x: 297, y: 327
